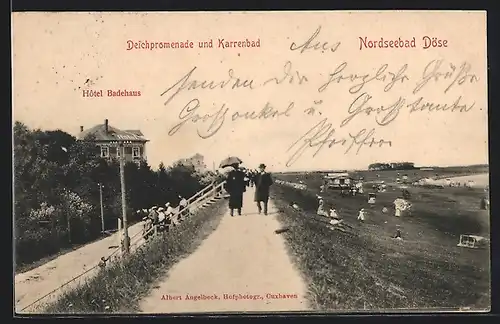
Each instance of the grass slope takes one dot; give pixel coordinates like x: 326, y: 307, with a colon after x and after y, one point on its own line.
x: 368, y: 270
x: 120, y: 286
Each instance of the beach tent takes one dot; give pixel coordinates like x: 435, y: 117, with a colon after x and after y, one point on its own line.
x: 339, y: 181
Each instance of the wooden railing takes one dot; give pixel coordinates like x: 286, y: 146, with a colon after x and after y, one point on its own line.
x: 211, y: 188
x: 211, y: 191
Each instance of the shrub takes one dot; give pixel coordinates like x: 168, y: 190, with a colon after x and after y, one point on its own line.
x: 34, y: 244
x: 38, y: 235
x: 77, y: 214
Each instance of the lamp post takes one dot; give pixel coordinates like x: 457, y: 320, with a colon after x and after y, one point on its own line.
x: 68, y: 217
x: 102, y: 207
x: 68, y: 220
x: 126, y: 239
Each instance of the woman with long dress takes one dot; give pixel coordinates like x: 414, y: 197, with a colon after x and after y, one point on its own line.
x: 321, y: 208
x: 235, y: 187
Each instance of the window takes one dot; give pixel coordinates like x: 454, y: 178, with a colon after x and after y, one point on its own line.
x: 104, y: 151
x: 118, y: 152
x: 136, y: 152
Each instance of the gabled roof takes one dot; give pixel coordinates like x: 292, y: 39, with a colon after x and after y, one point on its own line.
x: 113, y: 134
x: 134, y: 131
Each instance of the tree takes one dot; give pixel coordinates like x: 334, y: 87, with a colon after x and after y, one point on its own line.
x: 186, y: 180
x: 55, y: 144
x: 25, y: 154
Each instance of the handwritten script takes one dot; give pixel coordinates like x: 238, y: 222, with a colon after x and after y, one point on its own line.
x: 211, y: 123
x: 323, y: 135
x: 374, y: 97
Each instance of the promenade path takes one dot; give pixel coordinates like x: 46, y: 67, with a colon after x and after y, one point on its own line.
x: 33, y: 284
x: 243, y: 257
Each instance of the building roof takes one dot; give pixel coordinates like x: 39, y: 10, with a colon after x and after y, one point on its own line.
x: 113, y: 134
x: 336, y: 175
x: 134, y: 131
x: 194, y: 157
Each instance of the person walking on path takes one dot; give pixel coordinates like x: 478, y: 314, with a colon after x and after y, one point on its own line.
x: 235, y: 186
x: 263, y: 182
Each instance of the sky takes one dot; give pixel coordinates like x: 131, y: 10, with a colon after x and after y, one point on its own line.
x: 58, y: 55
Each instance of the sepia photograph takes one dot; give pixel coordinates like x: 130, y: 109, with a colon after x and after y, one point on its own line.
x: 250, y: 162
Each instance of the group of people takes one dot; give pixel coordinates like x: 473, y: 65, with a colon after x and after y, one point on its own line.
x: 467, y: 184
x: 163, y: 217
x: 333, y: 214
x: 401, y: 205
x: 238, y: 180
x: 322, y: 210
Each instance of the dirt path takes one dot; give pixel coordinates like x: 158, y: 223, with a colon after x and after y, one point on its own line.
x: 33, y: 284
x: 242, y: 257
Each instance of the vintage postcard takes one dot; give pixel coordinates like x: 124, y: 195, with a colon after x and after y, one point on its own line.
x: 239, y: 162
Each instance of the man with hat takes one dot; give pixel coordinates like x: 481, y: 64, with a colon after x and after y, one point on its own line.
x: 263, y: 182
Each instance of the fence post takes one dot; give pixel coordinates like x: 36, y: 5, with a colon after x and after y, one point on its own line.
x: 119, y: 231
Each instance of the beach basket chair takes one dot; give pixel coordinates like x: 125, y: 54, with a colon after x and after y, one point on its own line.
x: 472, y: 241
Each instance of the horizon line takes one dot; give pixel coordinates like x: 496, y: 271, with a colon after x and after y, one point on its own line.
x: 366, y: 169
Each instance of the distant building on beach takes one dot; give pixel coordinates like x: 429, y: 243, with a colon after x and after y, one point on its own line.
x: 197, y: 161
x: 109, y: 138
